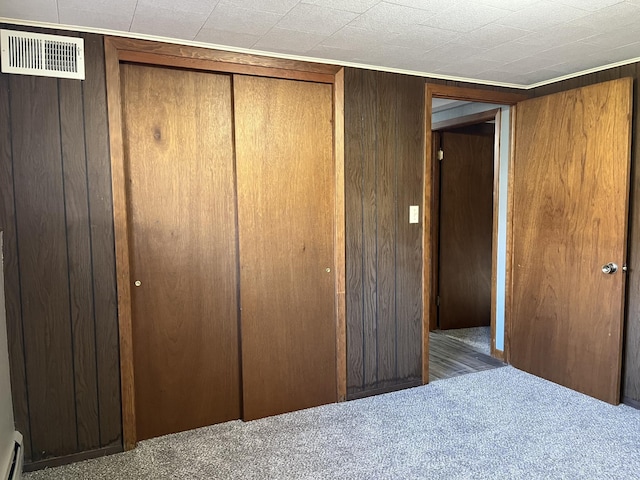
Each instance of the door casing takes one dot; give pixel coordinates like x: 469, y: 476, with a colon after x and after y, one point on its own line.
x: 119, y: 50
x: 430, y: 213
x: 436, y: 128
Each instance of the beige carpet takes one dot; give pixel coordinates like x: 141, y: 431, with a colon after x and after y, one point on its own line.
x: 499, y: 424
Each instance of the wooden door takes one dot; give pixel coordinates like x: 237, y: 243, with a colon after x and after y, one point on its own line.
x: 179, y: 161
x: 570, y: 193
x: 466, y: 227
x: 284, y: 154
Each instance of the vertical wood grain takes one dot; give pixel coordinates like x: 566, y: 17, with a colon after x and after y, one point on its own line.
x: 631, y: 359
x: 410, y: 148
x: 387, y: 226
x: 80, y: 265
x: 508, y: 294
x: 466, y: 209
x: 370, y: 229
x: 102, y: 241
x: 384, y: 125
x: 44, y: 280
x: 631, y: 348
x: 183, y: 248
x: 570, y: 217
x: 354, y: 157
x: 339, y: 242
x: 66, y: 154
x: 12, y: 271
x: 286, y: 215
x: 121, y: 238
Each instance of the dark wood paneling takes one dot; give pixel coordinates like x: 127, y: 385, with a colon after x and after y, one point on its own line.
x: 383, y: 166
x: 56, y: 212
x: 631, y: 339
x: 386, y: 192
x: 370, y: 145
x: 74, y: 457
x: 98, y: 172
x: 102, y: 241
x: 353, y: 158
x: 12, y: 271
x: 80, y: 274
x: 466, y: 227
x: 631, y: 344
x: 409, y: 187
x: 43, y: 263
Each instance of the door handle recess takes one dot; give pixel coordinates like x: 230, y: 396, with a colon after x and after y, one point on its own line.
x: 609, y: 268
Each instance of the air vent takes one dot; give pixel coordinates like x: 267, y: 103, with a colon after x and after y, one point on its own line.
x: 43, y: 55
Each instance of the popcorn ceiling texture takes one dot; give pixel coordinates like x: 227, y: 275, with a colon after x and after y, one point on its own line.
x: 502, y: 424
x: 506, y: 42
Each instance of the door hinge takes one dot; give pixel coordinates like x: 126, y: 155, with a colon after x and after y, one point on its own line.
x: 438, y: 301
x: 440, y: 154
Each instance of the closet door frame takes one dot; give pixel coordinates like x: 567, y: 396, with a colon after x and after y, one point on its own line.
x: 117, y: 50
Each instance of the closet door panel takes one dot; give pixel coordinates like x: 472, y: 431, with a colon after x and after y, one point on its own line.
x: 285, y: 171
x: 183, y: 241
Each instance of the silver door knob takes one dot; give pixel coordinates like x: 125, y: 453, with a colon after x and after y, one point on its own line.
x: 609, y: 268
x: 137, y: 283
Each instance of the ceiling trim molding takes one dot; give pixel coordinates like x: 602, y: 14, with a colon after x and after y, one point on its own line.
x: 302, y: 58
x: 588, y: 71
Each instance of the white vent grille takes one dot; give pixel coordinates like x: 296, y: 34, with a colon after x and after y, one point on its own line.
x: 43, y: 55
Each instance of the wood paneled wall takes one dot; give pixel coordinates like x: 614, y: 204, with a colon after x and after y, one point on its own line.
x: 384, y: 163
x: 56, y: 212
x: 631, y: 349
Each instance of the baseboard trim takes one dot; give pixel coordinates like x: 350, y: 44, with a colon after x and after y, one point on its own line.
x: 631, y: 402
x: 74, y: 457
x: 385, y: 389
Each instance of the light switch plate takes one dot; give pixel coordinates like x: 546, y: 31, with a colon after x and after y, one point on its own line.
x: 414, y: 214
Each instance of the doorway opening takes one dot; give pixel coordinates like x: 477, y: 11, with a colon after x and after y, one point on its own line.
x: 467, y: 171
x: 466, y: 139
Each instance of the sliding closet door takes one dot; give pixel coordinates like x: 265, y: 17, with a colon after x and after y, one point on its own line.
x: 284, y: 155
x: 179, y: 160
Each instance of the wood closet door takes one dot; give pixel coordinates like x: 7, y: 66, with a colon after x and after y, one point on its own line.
x: 284, y: 154
x: 570, y: 204
x: 466, y: 228
x: 179, y: 160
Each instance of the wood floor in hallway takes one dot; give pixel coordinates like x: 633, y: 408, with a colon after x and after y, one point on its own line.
x: 449, y: 357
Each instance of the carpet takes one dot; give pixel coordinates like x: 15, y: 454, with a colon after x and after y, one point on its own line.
x: 479, y: 338
x: 498, y: 424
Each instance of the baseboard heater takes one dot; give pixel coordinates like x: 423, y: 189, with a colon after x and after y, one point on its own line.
x: 14, y: 470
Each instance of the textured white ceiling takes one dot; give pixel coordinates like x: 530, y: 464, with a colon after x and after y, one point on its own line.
x: 520, y: 42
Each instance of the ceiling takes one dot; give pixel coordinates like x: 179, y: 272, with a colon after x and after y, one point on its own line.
x: 506, y: 42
